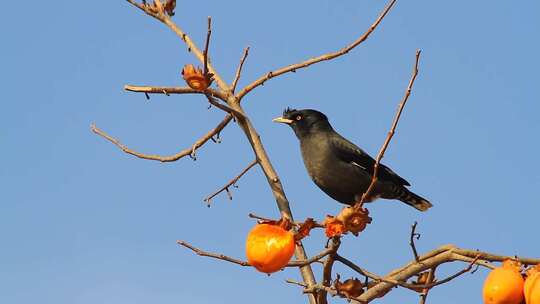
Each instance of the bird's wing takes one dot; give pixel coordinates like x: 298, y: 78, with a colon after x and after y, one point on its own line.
x: 349, y: 152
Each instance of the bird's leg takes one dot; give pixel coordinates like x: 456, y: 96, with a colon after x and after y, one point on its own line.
x: 358, y: 203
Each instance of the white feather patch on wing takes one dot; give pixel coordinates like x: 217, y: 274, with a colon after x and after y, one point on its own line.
x: 355, y: 164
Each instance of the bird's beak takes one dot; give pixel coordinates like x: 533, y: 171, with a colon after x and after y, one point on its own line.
x: 283, y: 120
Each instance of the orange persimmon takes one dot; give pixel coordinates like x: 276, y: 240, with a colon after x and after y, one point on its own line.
x: 532, y: 285
x: 504, y: 285
x: 269, y: 247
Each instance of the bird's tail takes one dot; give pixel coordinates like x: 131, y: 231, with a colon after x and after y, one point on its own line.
x: 413, y: 200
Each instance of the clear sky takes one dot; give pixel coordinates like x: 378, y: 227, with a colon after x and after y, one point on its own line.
x: 81, y: 222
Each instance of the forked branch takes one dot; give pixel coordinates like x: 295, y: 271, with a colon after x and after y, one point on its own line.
x: 329, y: 56
x: 173, y: 90
x: 391, y: 132
x: 297, y: 263
x: 186, y: 152
x: 239, y: 70
x: 231, y: 183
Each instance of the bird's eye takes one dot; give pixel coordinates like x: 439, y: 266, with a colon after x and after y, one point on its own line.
x: 298, y: 117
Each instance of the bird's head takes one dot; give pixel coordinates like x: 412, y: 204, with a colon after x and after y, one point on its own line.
x: 304, y: 122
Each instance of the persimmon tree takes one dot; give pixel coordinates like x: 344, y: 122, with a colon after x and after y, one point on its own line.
x: 419, y: 275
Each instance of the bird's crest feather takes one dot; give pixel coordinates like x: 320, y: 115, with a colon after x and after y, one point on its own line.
x: 287, y: 111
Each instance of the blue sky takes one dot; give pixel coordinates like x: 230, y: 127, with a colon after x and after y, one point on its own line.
x: 81, y: 222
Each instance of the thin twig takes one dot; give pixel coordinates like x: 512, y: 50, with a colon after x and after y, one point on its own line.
x: 296, y: 283
x: 206, y: 45
x: 224, y: 107
x: 391, y: 132
x: 494, y: 257
x: 239, y: 69
x: 411, y: 240
x: 483, y: 263
x: 450, y: 278
x: 173, y: 90
x: 365, y: 272
x: 232, y: 183
x: 186, y: 152
x: 219, y: 256
x: 327, y: 269
x: 293, y: 67
x: 332, y: 291
x: 213, y: 255
x: 313, y: 259
x: 296, y: 224
x: 264, y: 219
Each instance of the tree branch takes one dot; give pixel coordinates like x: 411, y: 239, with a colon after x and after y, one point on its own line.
x: 411, y: 240
x: 231, y: 183
x: 293, y: 67
x: 327, y: 269
x: 441, y: 255
x: 239, y: 70
x: 192, y: 47
x: 213, y: 255
x: 430, y: 279
x: 206, y: 45
x: 186, y: 152
x: 297, y: 263
x: 223, y: 107
x: 173, y: 90
x: 380, y: 155
x: 313, y: 259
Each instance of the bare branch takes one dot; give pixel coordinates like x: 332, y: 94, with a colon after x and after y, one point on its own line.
x: 330, y: 290
x: 145, y: 7
x: 327, y: 269
x: 315, y: 258
x: 206, y: 45
x: 224, y: 107
x: 219, y: 256
x: 494, y: 257
x: 231, y: 183
x: 484, y: 263
x: 173, y: 90
x: 239, y: 70
x: 391, y: 132
x: 294, y: 67
x: 394, y: 282
x: 251, y: 134
x: 296, y: 283
x: 411, y: 240
x: 213, y: 255
x: 188, y: 151
x: 432, y: 282
x: 434, y: 258
x: 192, y: 47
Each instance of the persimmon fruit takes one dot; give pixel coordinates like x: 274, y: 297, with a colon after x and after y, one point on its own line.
x: 269, y: 247
x: 195, y: 78
x: 504, y: 285
x: 532, y: 286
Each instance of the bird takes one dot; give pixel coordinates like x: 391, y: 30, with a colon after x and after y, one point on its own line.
x: 340, y: 168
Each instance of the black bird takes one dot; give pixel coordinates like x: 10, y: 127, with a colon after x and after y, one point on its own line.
x: 341, y: 169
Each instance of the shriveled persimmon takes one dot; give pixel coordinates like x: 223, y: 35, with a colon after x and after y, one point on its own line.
x: 504, y: 285
x: 269, y: 247
x: 195, y: 78
x: 532, y: 285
